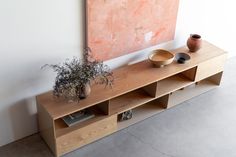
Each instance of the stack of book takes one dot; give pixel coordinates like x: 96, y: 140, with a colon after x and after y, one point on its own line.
x: 78, y: 117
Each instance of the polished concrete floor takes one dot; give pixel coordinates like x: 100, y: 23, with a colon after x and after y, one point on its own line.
x: 204, y: 126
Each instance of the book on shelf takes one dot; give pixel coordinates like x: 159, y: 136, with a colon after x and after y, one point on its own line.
x: 78, y: 117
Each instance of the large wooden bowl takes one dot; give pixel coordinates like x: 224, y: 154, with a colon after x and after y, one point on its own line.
x: 161, y: 57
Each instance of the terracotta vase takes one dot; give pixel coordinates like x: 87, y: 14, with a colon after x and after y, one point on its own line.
x: 85, y: 90
x: 194, y: 42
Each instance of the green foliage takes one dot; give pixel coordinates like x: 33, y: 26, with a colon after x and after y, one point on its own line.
x: 73, y: 74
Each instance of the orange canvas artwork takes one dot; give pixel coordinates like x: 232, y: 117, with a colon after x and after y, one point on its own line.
x: 119, y: 27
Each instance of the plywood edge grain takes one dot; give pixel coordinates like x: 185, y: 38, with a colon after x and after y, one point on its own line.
x: 46, y: 128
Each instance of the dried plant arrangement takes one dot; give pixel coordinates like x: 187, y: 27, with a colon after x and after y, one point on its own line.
x: 74, y: 76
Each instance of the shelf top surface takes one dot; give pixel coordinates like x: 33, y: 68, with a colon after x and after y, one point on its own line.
x: 128, y: 78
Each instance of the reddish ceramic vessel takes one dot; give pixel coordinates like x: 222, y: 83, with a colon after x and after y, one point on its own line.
x: 194, y: 42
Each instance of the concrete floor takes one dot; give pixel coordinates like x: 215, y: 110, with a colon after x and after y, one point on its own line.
x: 204, y: 126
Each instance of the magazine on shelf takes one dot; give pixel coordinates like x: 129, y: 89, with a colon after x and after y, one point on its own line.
x: 78, y: 117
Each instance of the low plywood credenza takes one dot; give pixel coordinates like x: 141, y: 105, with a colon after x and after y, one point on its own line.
x: 140, y: 87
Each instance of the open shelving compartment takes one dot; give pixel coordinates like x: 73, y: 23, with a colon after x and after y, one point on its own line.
x: 132, y: 99
x: 139, y: 100
x: 142, y: 112
x: 99, y: 112
x: 176, y: 82
x: 192, y: 90
x: 77, y: 135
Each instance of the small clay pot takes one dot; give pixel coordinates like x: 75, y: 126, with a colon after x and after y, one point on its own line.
x: 85, y: 91
x: 194, y: 42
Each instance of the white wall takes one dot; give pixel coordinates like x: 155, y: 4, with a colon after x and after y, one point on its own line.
x: 35, y: 32
x: 32, y: 33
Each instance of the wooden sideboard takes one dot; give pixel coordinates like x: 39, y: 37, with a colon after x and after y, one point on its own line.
x: 140, y: 87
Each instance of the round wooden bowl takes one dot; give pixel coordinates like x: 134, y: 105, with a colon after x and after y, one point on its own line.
x: 161, y: 57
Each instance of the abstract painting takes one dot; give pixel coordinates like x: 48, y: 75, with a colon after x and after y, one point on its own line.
x: 119, y: 27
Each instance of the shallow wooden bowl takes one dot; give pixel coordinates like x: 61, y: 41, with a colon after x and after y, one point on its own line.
x: 161, y: 57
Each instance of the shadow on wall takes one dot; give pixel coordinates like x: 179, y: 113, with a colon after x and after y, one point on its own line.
x: 140, y: 55
x: 23, y: 116
x: 18, y: 106
x: 84, y: 25
x: 18, y: 113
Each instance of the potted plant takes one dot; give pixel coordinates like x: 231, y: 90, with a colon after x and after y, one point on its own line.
x: 75, y: 76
